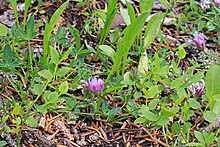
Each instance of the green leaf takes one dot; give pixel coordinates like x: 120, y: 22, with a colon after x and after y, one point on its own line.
x: 54, y: 55
x: 199, y: 137
x: 176, y: 128
x: 49, y: 28
x: 193, y: 79
x: 62, y: 71
x: 181, y: 53
x: 177, y: 82
x: 3, y: 30
x: 163, y: 121
x: 64, y: 87
x: 152, y: 105
x: 165, y: 3
x: 186, y: 127
x: 152, y: 29
x: 3, y: 143
x: 76, y: 35
x: 181, y: 92
x: 125, y: 16
x: 66, y: 54
x: 107, y: 50
x: 131, y: 12
x: 143, y: 64
x: 194, y: 104
x: 38, y: 88
x: 149, y: 115
x: 17, y: 109
x: 194, y: 144
x: 32, y: 122
x: 111, y: 12
x: 141, y: 119
x: 7, y: 54
x: 46, y: 74
x: 152, y: 91
x: 30, y: 28
x: 146, y: 6
x: 212, y: 81
x: 210, y: 116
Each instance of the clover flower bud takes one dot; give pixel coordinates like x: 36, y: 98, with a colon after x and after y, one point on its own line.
x: 95, y: 85
x: 217, y: 2
x: 198, y: 41
x: 199, y: 92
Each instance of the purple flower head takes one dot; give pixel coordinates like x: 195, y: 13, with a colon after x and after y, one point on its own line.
x: 198, y: 41
x: 199, y: 92
x: 217, y: 2
x: 95, y: 85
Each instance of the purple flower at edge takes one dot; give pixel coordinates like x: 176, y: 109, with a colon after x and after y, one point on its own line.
x: 199, y: 92
x: 198, y: 41
x: 217, y: 2
x: 95, y: 85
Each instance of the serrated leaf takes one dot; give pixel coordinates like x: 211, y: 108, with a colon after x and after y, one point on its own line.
x: 64, y: 87
x: 46, y: 74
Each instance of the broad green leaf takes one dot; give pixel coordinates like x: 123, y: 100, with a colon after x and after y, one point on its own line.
x: 54, y: 55
x: 131, y: 12
x: 3, y: 30
x: 199, y: 137
x: 176, y: 128
x: 193, y: 79
x: 46, y: 74
x: 163, y: 121
x: 3, y: 143
x: 62, y: 71
x: 38, y: 88
x: 186, y: 127
x: 181, y: 92
x: 152, y: 29
x: 177, y: 82
x: 143, y: 64
x: 64, y: 87
x: 17, y: 109
x: 153, y: 104
x: 181, y: 53
x: 210, y: 116
x: 146, y: 6
x: 194, y: 104
x: 141, y: 119
x: 30, y: 28
x: 107, y: 50
x: 212, y: 82
x: 125, y: 16
x: 149, y: 115
x: 7, y: 54
x: 32, y: 122
x: 152, y: 91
